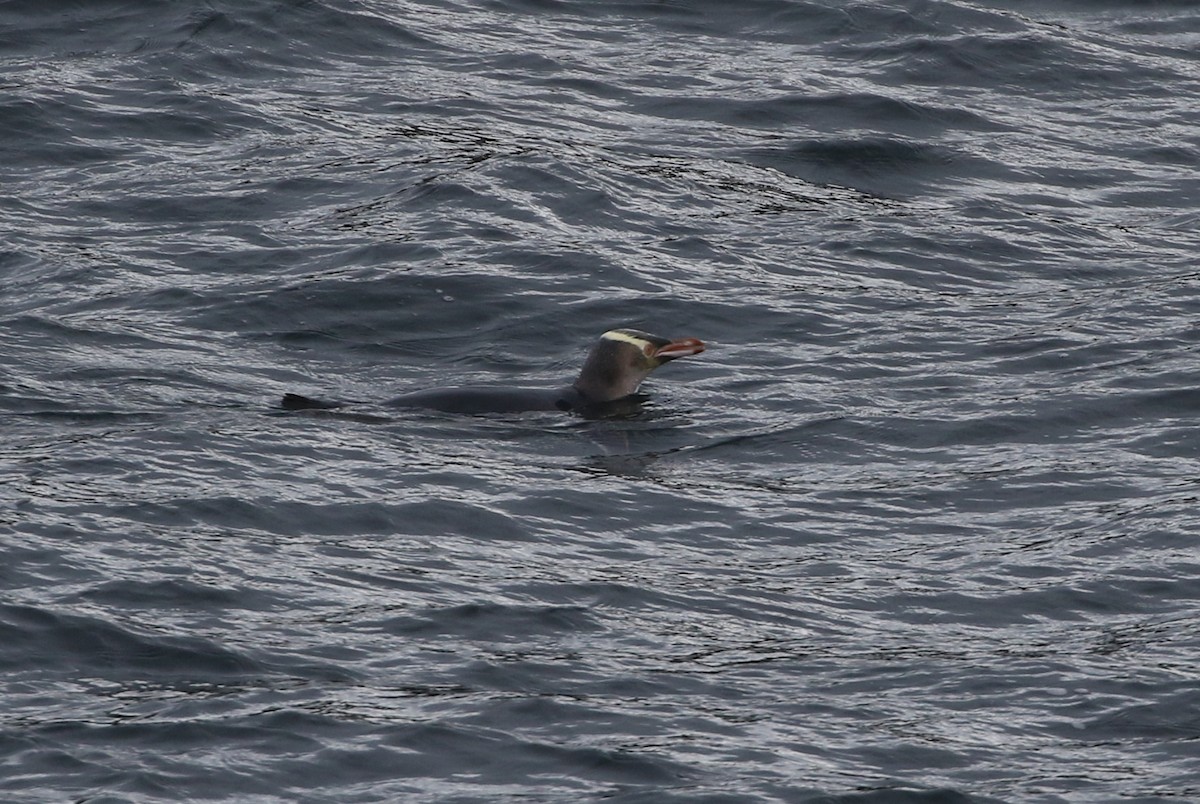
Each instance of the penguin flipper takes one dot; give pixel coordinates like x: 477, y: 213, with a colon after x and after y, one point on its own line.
x: 298, y: 402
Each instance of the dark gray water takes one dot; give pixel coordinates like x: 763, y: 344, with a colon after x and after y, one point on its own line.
x: 920, y: 526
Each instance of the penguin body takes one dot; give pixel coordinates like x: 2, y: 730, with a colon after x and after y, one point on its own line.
x: 607, y: 384
x: 487, y: 399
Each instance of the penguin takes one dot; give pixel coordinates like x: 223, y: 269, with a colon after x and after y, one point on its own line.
x: 607, y: 384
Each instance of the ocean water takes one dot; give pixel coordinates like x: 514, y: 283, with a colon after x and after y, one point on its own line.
x: 920, y: 526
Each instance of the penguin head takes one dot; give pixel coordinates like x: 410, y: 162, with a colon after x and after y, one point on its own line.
x: 622, y: 358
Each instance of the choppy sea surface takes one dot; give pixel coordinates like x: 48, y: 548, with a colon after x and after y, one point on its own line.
x: 920, y: 526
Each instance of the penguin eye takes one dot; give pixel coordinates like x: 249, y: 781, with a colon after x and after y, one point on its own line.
x: 648, y: 349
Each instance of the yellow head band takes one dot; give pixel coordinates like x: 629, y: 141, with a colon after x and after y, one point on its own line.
x: 618, y: 335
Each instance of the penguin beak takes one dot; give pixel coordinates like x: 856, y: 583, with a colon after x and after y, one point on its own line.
x: 680, y: 348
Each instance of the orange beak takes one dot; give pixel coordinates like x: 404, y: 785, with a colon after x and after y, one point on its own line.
x: 680, y: 348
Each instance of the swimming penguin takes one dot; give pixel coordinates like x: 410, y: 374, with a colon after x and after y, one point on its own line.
x: 607, y: 384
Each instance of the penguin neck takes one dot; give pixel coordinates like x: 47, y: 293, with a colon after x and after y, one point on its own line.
x: 601, y: 380
x: 600, y: 394
x: 578, y: 401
